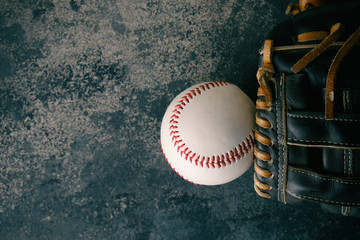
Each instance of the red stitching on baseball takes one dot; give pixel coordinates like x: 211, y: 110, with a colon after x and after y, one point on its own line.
x: 213, y: 161
x: 175, y: 169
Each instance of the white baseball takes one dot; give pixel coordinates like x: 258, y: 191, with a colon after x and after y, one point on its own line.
x: 207, y: 133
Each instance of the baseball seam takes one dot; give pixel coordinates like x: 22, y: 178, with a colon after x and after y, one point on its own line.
x: 175, y: 169
x: 214, y: 161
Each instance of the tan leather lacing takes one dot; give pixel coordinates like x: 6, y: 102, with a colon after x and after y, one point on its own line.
x: 262, y: 171
x: 336, y: 32
x: 265, y: 73
x: 305, y: 5
x: 261, y: 105
x: 262, y: 139
x: 293, y: 9
x: 259, y: 186
x: 330, y: 81
x: 261, y: 122
x: 264, y: 156
x: 260, y: 92
x: 312, y: 36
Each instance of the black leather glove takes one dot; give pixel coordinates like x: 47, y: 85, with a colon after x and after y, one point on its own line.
x: 308, y: 110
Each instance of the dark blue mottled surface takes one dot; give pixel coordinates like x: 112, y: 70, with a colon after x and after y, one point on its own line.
x: 83, y: 88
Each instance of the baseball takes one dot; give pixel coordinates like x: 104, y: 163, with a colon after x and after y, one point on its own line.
x: 207, y: 133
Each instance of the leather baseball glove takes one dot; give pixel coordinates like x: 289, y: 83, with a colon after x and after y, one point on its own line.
x: 308, y: 108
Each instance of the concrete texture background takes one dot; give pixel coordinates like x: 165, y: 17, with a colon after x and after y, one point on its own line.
x: 83, y: 88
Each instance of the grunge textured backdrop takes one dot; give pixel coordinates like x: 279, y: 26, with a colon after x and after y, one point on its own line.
x: 83, y: 88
